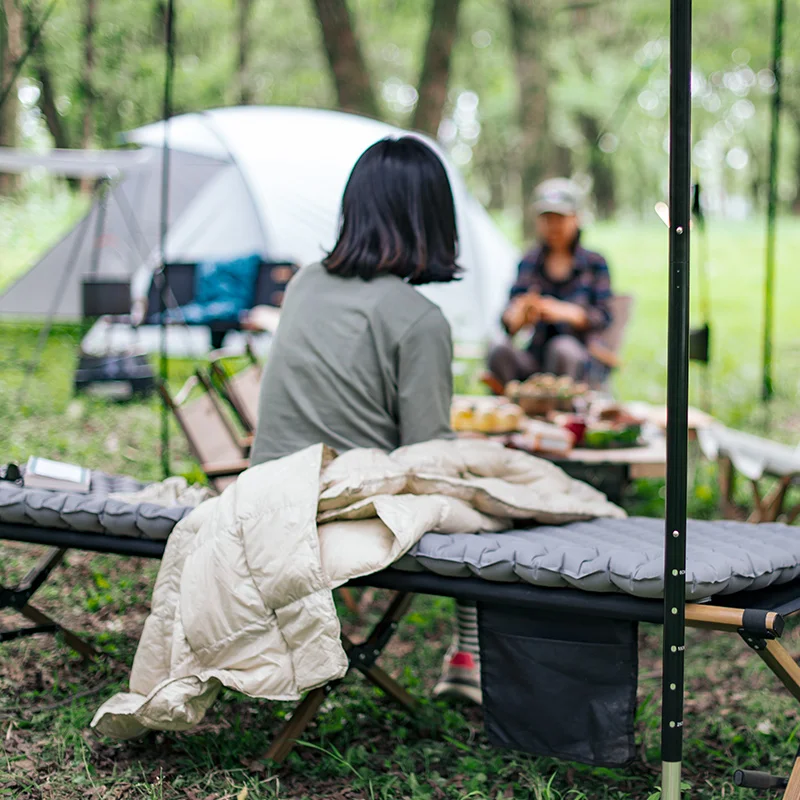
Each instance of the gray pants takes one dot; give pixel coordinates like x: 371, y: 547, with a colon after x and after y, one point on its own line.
x: 561, y: 355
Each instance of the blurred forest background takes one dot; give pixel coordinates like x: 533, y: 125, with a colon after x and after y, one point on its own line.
x: 516, y: 90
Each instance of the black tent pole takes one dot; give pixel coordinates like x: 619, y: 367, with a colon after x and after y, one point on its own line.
x: 677, y: 396
x: 161, y: 274
x: 772, y: 199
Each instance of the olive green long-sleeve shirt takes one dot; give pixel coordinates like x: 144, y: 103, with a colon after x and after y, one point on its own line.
x: 354, y: 364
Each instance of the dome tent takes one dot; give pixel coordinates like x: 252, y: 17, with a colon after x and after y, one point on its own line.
x: 277, y: 190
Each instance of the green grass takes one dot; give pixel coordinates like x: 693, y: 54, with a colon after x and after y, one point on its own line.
x: 31, y: 224
x: 638, y: 257
x: 361, y: 746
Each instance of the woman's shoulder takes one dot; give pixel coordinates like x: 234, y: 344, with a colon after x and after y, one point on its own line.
x: 592, y: 258
x: 404, y: 308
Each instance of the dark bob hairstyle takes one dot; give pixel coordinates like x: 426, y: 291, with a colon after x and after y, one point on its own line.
x: 398, y: 216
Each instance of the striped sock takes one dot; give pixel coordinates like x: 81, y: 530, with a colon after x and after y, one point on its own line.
x: 466, y: 638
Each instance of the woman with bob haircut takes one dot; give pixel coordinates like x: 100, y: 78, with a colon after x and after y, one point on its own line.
x: 361, y: 358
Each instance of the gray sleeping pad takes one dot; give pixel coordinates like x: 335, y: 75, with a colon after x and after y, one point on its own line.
x: 93, y: 512
x: 603, y: 555
x: 613, y: 555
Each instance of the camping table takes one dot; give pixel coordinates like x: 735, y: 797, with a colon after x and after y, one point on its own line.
x: 612, y: 470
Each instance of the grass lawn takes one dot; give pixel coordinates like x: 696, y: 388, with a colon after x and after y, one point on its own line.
x: 361, y: 747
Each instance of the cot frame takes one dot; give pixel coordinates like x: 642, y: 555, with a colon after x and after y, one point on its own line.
x: 759, y: 624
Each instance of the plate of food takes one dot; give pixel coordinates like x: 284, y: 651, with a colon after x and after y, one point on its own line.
x: 612, y: 427
x: 487, y: 417
x: 542, y: 394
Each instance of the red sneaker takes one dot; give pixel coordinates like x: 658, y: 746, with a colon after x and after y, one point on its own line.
x: 460, y: 678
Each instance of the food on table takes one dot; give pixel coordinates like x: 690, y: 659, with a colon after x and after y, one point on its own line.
x: 576, y: 426
x: 542, y: 393
x: 604, y: 435
x: 484, y: 416
x: 543, y: 437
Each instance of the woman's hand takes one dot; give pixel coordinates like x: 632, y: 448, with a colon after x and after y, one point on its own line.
x: 555, y: 311
x: 523, y: 310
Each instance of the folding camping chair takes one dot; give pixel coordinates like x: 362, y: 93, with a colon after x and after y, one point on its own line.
x: 269, y: 289
x: 605, y: 348
x: 212, y: 438
x: 754, y: 458
x: 240, y: 389
x: 214, y: 441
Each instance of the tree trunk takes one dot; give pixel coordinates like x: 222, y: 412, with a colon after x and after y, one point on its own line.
x: 47, y: 104
x: 604, y: 187
x: 243, y: 67
x: 11, y: 23
x: 348, y: 67
x: 435, y: 75
x: 41, y: 72
x: 529, y: 22
x: 87, y: 82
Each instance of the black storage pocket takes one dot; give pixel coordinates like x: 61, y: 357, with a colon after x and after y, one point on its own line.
x: 559, y: 685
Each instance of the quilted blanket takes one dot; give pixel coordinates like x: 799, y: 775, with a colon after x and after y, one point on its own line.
x: 243, y: 597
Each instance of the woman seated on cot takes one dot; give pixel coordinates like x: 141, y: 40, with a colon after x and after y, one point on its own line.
x: 562, y: 291
x: 361, y: 358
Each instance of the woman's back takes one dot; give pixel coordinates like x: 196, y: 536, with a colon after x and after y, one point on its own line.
x: 355, y: 363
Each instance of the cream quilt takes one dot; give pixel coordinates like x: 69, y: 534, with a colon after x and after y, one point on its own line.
x: 243, y: 597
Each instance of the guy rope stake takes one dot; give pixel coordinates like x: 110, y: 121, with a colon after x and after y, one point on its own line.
x: 677, y: 396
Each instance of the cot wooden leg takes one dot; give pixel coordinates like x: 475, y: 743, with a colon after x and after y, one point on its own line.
x: 776, y: 657
x: 301, y: 718
x: 349, y: 601
x: 389, y: 686
x: 793, y: 787
x: 84, y: 649
x: 362, y: 656
x: 773, y: 504
x: 784, y: 667
x: 18, y: 597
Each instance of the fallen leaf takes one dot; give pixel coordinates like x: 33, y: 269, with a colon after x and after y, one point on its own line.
x: 243, y: 794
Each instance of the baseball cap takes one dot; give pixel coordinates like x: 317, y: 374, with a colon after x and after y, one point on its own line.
x: 557, y: 196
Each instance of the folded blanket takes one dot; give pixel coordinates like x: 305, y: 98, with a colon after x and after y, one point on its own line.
x: 243, y: 598
x: 174, y: 491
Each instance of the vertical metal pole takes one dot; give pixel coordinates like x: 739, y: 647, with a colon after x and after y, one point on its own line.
x: 161, y: 275
x: 677, y: 395
x: 772, y: 199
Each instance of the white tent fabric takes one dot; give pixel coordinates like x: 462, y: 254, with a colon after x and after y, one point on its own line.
x: 278, y: 191
x: 296, y: 162
x: 114, y: 242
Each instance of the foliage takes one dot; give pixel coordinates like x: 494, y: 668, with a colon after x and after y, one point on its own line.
x: 607, y: 62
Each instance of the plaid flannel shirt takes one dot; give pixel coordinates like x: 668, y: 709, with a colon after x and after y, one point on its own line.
x: 589, y: 286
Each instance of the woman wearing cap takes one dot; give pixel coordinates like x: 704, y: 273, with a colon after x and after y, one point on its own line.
x: 562, y: 290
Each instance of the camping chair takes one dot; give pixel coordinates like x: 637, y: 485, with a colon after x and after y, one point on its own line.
x: 572, y: 630
x: 755, y: 458
x: 269, y: 290
x: 240, y: 389
x: 603, y: 349
x: 212, y: 438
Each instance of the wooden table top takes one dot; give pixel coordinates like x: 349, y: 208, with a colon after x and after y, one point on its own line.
x: 647, y: 461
